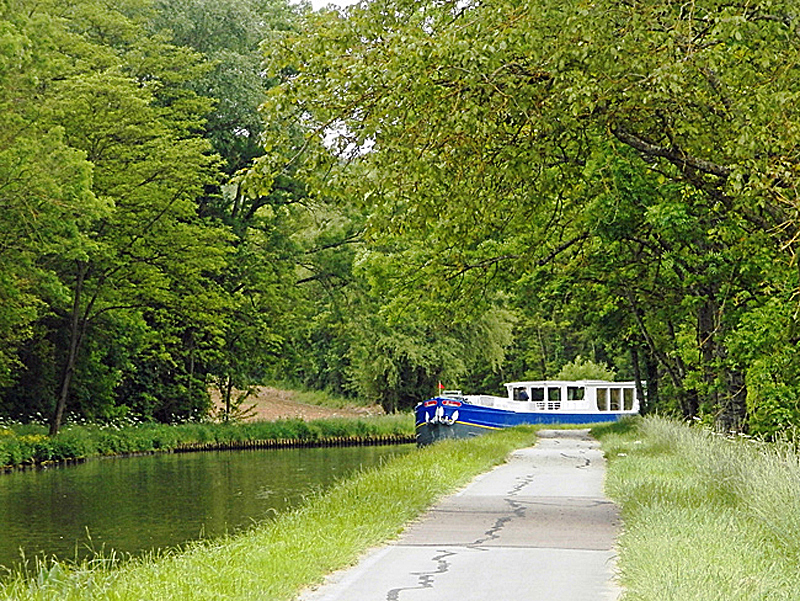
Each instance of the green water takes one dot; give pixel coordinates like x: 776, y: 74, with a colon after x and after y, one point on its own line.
x: 161, y: 501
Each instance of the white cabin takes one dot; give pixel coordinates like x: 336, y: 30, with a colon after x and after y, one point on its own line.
x: 559, y: 396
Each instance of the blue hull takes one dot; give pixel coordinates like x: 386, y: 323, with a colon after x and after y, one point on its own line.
x: 441, y: 418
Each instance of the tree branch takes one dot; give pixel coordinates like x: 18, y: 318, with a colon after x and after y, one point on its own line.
x: 352, y: 239
x: 561, y: 248
x: 485, y: 264
x: 674, y: 155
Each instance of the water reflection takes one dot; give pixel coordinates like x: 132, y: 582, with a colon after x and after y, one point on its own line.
x: 160, y: 501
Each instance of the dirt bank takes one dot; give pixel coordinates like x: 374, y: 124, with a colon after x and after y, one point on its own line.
x: 272, y: 403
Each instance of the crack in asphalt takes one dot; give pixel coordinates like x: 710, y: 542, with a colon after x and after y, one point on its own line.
x: 517, y: 511
x: 586, y: 461
x: 425, y: 579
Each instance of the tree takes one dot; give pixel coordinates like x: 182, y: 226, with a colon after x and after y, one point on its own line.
x: 259, y: 281
x: 482, y: 123
x: 228, y: 34
x: 45, y: 188
x: 400, y: 351
x: 152, y: 169
x: 128, y: 238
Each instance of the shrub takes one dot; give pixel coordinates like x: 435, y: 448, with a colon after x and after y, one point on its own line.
x: 586, y: 369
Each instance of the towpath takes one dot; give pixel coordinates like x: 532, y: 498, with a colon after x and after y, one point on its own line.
x: 535, y: 528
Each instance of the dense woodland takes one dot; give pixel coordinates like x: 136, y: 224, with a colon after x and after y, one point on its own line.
x: 222, y: 193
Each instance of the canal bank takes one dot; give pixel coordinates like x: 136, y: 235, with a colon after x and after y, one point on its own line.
x: 537, y: 527
x: 277, y: 559
x: 25, y: 446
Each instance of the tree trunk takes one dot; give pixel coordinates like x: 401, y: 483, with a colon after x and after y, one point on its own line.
x: 77, y: 326
x: 652, y: 394
x: 543, y: 350
x: 689, y: 402
x: 734, y: 403
x: 637, y: 377
x: 674, y: 368
x: 708, y: 320
x: 228, y: 393
x: 726, y: 386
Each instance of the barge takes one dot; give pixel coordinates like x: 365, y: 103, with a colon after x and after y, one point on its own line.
x: 455, y: 415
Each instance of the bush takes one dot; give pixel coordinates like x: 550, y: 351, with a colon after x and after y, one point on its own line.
x: 586, y: 369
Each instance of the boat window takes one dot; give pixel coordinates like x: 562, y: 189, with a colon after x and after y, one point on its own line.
x: 602, y: 399
x: 575, y: 393
x: 628, y: 398
x: 554, y: 398
x: 615, y: 399
x: 537, y: 394
x: 520, y: 394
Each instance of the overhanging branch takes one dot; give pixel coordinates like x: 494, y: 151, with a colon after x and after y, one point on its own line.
x: 674, y: 155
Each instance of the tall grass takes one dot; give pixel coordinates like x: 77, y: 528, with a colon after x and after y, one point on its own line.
x: 705, y: 517
x: 325, y: 399
x: 29, y: 444
x: 276, y: 560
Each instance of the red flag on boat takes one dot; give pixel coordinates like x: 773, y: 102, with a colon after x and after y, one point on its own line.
x: 441, y: 386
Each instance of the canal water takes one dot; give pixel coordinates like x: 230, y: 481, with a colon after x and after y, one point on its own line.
x: 133, y: 505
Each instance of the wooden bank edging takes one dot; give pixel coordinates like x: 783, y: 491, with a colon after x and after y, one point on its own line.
x: 295, y: 443
x: 230, y: 445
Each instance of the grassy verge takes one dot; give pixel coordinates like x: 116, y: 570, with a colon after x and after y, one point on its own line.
x: 325, y: 399
x: 705, y: 518
x: 29, y: 444
x: 276, y: 560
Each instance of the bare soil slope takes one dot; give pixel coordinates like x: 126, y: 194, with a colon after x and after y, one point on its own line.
x: 272, y: 403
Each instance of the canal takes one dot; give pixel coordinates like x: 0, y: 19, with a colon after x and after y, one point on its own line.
x: 134, y: 505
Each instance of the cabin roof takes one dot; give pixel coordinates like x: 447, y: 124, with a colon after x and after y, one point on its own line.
x: 554, y: 383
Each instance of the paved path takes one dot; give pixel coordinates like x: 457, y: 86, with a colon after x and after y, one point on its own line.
x: 535, y: 528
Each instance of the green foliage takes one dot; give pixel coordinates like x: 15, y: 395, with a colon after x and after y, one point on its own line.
x: 585, y: 369
x: 507, y: 145
x: 121, y: 293
x: 428, y: 192
x: 401, y: 353
x: 29, y: 445
x: 766, y: 341
x: 253, y: 322
x: 109, y: 217
x: 228, y: 34
x: 46, y: 191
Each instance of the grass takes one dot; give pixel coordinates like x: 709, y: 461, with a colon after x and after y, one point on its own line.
x: 323, y: 398
x: 276, y: 560
x: 29, y: 444
x: 705, y: 517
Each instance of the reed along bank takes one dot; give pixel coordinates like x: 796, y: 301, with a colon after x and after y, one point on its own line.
x: 23, y: 445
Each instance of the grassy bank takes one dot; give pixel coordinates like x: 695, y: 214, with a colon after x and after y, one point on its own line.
x: 705, y: 518
x: 323, y: 398
x: 276, y: 560
x: 29, y: 444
